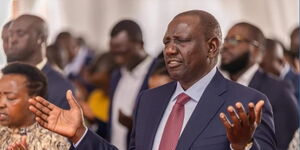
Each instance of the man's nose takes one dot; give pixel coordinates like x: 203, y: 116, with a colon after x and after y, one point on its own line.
x: 171, y: 49
x: 2, y: 102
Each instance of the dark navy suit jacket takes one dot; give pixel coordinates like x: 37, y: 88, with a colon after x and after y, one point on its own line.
x: 204, y: 129
x: 284, y: 103
x: 57, y: 87
x: 293, y: 78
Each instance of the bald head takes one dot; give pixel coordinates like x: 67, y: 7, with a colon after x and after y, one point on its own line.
x: 36, y: 23
x: 27, y: 39
x: 4, y: 35
x: 208, y: 23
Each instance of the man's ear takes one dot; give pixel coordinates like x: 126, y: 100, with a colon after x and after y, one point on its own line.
x: 213, y: 47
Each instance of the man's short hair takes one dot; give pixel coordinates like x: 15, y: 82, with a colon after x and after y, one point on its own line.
x: 209, y: 24
x: 132, y: 29
x: 254, y: 33
x: 36, y: 80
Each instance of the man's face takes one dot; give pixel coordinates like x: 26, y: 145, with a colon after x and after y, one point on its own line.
x: 295, y: 42
x: 186, y: 49
x: 122, y: 48
x: 271, y: 62
x: 236, y: 52
x: 14, y: 104
x: 5, y: 38
x: 23, y: 40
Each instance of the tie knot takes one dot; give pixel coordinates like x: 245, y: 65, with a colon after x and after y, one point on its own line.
x: 182, y: 99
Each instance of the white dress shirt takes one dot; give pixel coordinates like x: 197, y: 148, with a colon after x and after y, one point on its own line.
x: 124, y: 99
x: 194, y: 92
x: 247, y: 76
x: 42, y: 64
x: 285, y: 70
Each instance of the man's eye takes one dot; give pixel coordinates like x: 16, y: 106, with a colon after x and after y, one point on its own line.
x: 11, y: 97
x: 20, y: 33
x: 184, y: 40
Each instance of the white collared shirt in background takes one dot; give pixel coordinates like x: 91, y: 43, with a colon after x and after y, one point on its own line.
x: 247, y: 76
x: 124, y: 99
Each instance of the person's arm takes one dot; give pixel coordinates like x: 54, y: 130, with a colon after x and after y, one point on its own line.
x: 68, y: 123
x: 240, y: 132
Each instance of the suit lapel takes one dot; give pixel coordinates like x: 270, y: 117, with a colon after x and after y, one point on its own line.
x: 207, y: 107
x: 257, y: 80
x: 157, y: 108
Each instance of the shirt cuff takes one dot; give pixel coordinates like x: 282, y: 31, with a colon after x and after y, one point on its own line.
x: 78, y: 142
x: 248, y: 147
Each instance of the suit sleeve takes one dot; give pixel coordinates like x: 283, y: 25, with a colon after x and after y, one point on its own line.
x: 91, y: 141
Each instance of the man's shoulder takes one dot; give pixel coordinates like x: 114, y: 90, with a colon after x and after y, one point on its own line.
x: 54, y: 77
x: 240, y: 89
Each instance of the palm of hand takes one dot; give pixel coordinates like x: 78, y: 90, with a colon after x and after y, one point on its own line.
x: 63, y: 122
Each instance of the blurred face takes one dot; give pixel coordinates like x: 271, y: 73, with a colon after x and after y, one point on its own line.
x: 122, y: 48
x: 186, y: 50
x: 14, y: 111
x: 23, y: 40
x: 158, y: 80
x: 237, y: 50
x: 295, y: 42
x: 5, y: 38
x: 271, y: 63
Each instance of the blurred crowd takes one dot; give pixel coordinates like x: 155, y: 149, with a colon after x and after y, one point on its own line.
x: 107, y: 84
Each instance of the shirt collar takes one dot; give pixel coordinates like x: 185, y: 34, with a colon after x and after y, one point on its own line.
x: 139, y: 69
x: 196, y: 90
x: 42, y: 64
x: 284, y: 70
x: 247, y: 76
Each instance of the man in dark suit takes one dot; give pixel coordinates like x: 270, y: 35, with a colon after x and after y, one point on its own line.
x: 184, y: 114
x: 274, y: 63
x: 27, y: 36
x: 242, y: 52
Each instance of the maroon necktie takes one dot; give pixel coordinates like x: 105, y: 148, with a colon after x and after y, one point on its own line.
x: 173, y: 126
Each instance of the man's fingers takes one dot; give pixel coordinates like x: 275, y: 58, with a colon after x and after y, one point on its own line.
x: 38, y: 113
x: 42, y: 122
x: 45, y: 103
x: 233, y: 115
x: 242, y: 114
x: 42, y: 108
x: 251, y: 113
x: 71, y: 100
x: 226, y: 122
x: 258, y: 111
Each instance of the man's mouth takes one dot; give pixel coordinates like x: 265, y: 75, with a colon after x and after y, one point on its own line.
x: 3, y: 116
x: 174, y: 63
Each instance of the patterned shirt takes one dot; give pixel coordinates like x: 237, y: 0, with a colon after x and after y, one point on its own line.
x: 295, y: 143
x: 37, y: 138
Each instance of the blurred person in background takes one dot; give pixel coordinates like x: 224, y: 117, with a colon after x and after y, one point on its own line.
x: 274, y: 63
x: 96, y: 107
x: 68, y: 49
x: 4, y: 37
x: 127, y: 47
x: 241, y: 54
x: 54, y: 57
x: 159, y: 75
x: 27, y: 43
x: 18, y: 127
x: 292, y: 55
